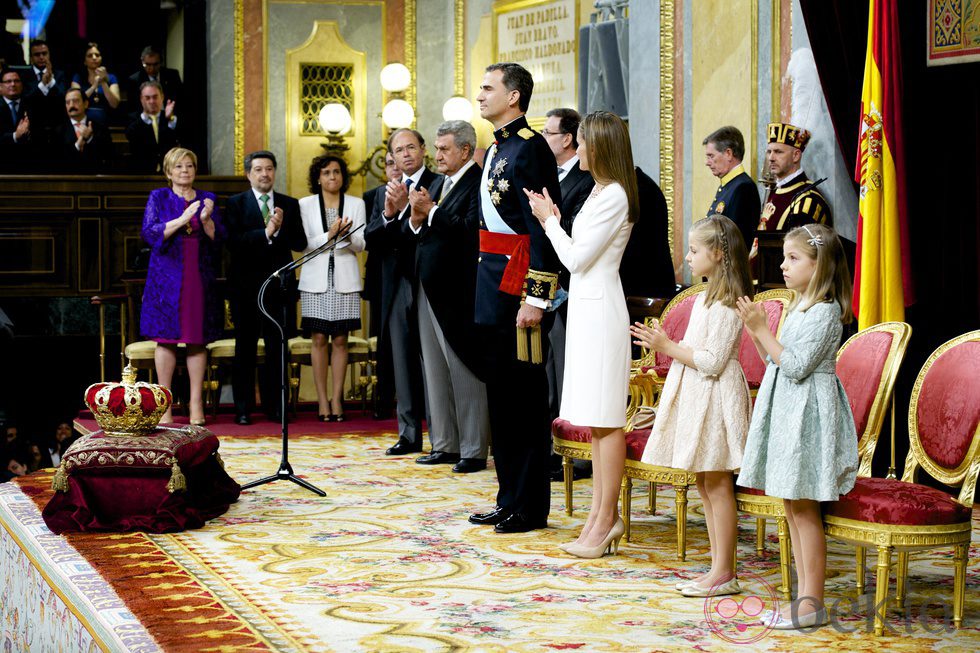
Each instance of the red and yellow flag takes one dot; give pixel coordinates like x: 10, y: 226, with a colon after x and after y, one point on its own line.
x: 882, y: 275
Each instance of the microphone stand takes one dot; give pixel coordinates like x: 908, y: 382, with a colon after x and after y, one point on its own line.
x: 285, y: 471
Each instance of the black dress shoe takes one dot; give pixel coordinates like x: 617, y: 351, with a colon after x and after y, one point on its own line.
x: 242, y: 419
x: 438, y: 458
x: 495, y: 516
x: 518, y: 523
x: 403, y: 447
x: 470, y: 465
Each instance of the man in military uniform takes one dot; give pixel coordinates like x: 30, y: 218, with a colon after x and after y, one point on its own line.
x: 517, y: 276
x: 737, y: 196
x: 794, y: 200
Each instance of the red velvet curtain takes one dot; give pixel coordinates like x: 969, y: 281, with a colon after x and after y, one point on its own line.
x: 942, y: 140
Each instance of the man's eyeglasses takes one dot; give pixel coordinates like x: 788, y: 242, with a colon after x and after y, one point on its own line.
x: 546, y: 132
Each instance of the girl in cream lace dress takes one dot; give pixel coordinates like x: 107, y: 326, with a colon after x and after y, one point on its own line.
x: 704, y: 408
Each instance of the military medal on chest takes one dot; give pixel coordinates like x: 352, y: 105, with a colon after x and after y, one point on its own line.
x: 496, y: 179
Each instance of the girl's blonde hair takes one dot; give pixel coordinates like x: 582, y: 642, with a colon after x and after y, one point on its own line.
x: 607, y: 141
x: 831, y: 280
x: 734, y: 278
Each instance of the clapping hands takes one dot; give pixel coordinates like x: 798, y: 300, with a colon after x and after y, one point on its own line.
x: 542, y: 206
x: 752, y: 314
x: 421, y: 205
x: 652, y: 337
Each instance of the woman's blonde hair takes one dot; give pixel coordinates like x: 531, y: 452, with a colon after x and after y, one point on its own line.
x: 831, y: 280
x: 171, y: 158
x: 607, y: 141
x: 734, y: 278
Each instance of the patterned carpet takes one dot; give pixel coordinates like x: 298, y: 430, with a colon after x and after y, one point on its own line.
x: 387, y: 562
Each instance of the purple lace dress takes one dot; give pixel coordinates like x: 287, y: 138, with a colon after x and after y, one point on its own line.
x: 179, y: 302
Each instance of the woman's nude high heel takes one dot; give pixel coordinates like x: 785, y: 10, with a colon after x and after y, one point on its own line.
x: 611, y: 543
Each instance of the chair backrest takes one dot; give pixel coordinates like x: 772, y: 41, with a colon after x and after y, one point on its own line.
x: 944, y: 416
x: 867, y: 365
x: 674, y: 320
x: 775, y: 303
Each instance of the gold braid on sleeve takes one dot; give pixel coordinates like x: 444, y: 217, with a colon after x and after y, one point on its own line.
x: 542, y: 285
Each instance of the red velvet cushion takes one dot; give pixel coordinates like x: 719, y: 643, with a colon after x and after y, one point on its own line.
x: 753, y: 366
x: 860, y: 368
x: 101, y: 453
x: 565, y: 430
x: 636, y: 442
x: 890, y: 501
x: 675, y: 324
x: 749, y: 490
x: 949, y: 404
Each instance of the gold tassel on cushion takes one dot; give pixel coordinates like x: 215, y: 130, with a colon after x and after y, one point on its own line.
x: 60, y: 481
x: 178, y: 482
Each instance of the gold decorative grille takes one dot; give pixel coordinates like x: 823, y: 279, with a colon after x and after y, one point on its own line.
x: 319, y: 85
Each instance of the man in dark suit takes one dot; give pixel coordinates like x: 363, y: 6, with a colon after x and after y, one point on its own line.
x: 647, y: 269
x: 517, y: 278
x: 46, y: 87
x: 152, y: 70
x: 399, y: 322
x: 263, y: 226
x: 17, y: 115
x: 153, y: 132
x: 374, y: 202
x: 81, y: 146
x: 561, y: 132
x: 42, y: 77
x: 737, y: 196
x: 448, y: 246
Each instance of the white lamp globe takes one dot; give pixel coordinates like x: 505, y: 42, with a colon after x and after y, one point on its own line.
x: 335, y: 119
x: 395, y: 77
x: 457, y: 108
x: 398, y: 114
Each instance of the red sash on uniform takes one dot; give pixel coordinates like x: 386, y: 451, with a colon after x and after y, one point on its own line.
x: 518, y: 248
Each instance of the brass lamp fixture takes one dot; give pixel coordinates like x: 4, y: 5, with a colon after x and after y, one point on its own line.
x: 336, y: 121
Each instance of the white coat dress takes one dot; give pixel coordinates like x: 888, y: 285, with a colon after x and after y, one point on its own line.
x: 597, y: 340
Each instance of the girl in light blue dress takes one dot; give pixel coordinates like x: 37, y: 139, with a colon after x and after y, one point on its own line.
x: 802, y: 443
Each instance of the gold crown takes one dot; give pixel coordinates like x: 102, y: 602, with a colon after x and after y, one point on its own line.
x: 127, y: 408
x: 783, y: 132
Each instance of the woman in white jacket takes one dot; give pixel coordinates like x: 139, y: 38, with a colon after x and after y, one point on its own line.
x: 330, y: 284
x: 597, y: 347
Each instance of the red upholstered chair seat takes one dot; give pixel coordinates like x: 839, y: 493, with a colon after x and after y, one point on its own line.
x: 749, y: 490
x: 565, y: 430
x: 636, y: 442
x: 890, y: 501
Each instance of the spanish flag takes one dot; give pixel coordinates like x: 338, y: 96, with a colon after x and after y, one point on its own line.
x: 882, y: 275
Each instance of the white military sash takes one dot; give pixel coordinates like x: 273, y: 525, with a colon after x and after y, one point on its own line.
x: 491, y: 217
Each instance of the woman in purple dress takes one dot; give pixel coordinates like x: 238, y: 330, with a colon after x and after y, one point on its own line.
x: 180, y: 305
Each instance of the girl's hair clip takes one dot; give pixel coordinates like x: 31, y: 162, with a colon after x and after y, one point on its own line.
x: 815, y: 241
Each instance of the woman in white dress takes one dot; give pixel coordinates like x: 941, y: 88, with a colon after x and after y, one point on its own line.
x: 597, y: 351
x: 330, y: 285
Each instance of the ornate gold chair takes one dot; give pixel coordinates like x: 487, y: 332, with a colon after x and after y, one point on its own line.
x: 904, y: 516
x: 867, y: 365
x: 774, y: 302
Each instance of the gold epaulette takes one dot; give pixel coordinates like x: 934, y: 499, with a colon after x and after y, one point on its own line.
x: 525, y: 133
x: 542, y: 285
